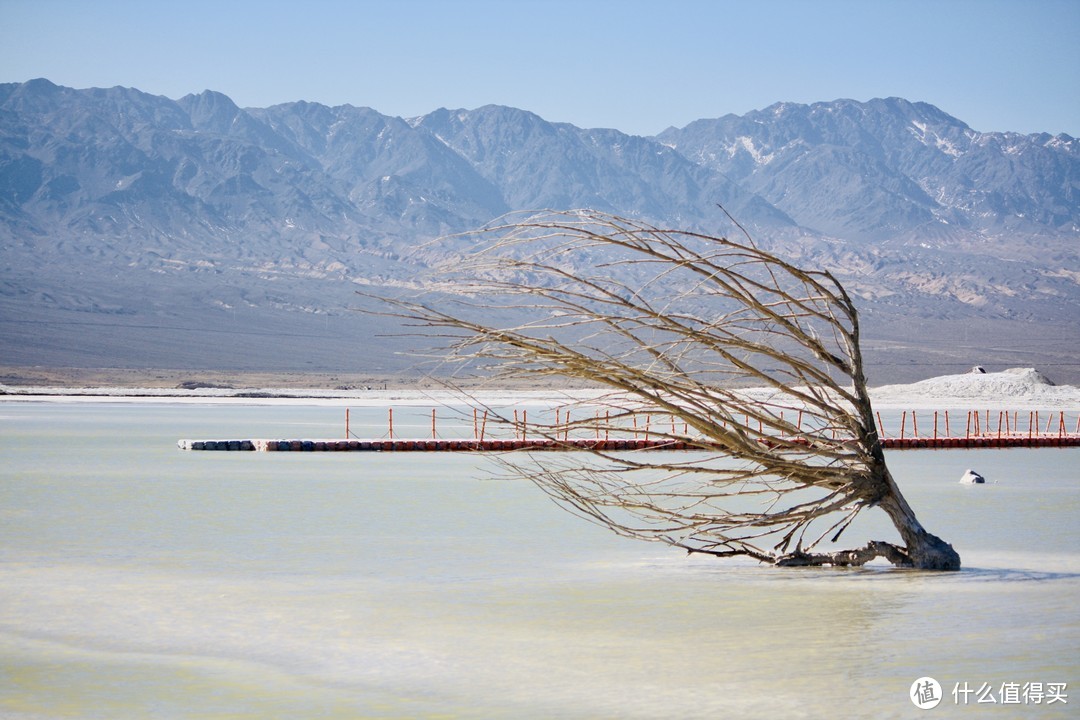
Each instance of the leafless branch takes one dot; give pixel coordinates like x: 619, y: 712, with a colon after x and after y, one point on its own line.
x: 757, y: 360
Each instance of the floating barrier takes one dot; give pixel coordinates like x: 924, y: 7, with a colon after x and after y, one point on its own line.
x: 942, y: 443
x: 434, y: 445
x: 602, y: 445
x: 234, y: 445
x: 1012, y: 430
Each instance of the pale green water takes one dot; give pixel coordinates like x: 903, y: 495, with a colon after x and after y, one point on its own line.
x: 139, y: 581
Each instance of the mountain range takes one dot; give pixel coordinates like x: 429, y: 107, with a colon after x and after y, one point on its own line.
x: 141, y: 231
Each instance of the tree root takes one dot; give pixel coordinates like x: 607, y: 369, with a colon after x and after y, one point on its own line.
x: 930, y: 553
x: 858, y: 557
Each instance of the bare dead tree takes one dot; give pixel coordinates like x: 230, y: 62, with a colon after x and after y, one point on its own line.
x: 758, y: 362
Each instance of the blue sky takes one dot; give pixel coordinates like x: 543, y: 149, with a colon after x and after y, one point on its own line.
x: 639, y: 66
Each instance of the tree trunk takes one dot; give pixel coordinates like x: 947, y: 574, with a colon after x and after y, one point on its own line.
x: 925, y: 551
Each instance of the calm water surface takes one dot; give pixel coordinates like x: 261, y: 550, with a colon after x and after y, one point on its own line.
x: 138, y: 581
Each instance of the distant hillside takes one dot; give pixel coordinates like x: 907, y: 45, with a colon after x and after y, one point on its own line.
x: 141, y: 231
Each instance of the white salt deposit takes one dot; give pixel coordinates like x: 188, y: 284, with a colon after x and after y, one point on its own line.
x: 1016, y: 388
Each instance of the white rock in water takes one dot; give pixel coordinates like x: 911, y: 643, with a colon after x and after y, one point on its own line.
x: 972, y: 478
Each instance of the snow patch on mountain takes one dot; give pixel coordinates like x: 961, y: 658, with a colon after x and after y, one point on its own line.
x: 931, y: 139
x: 746, y: 143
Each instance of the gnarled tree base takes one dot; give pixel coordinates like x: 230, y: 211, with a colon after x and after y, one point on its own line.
x: 931, y: 553
x: 926, y: 551
x: 847, y: 558
x: 934, y: 554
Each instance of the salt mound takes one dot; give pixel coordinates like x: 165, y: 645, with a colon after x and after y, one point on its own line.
x: 1013, y: 388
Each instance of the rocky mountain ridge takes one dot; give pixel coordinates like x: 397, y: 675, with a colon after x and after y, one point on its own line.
x: 912, y: 171
x: 143, y: 231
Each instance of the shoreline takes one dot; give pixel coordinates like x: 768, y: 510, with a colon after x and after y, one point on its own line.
x: 1016, y: 388
x: 122, y: 385
x: 15, y: 376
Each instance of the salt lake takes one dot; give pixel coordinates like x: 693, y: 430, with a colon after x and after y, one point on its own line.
x: 138, y: 580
